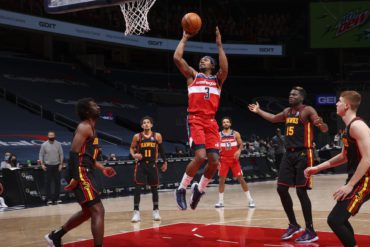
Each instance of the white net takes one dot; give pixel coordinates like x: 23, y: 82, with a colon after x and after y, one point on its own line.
x: 136, y: 16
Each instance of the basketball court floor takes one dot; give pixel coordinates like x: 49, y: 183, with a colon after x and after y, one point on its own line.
x: 235, y: 225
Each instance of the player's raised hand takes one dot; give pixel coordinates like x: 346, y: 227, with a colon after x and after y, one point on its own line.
x: 109, y: 172
x: 254, y: 107
x: 218, y: 37
x: 187, y: 35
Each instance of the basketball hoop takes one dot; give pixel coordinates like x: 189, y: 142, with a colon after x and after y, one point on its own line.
x: 135, y: 13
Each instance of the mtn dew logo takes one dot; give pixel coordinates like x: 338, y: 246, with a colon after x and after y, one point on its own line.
x: 351, y: 20
x: 342, y: 24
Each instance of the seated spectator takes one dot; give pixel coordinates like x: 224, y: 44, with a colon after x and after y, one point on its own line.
x: 112, y: 157
x: 338, y: 138
x: 316, y: 156
x: 5, y: 162
x: 330, y: 147
x: 13, y: 161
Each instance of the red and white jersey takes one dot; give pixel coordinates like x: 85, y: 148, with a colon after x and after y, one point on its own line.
x: 204, y: 95
x: 229, y: 144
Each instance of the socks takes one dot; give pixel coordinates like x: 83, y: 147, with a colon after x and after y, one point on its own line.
x: 203, y: 183
x: 248, y: 195
x: 185, y: 181
x: 221, y: 197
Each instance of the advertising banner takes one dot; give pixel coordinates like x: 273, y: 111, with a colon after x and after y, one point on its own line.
x: 340, y: 24
x: 64, y: 28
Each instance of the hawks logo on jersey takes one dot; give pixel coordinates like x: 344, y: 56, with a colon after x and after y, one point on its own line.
x: 204, y: 95
x: 229, y: 145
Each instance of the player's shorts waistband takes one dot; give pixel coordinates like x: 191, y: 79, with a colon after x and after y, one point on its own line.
x: 201, y: 116
x: 147, y: 162
x: 296, y: 149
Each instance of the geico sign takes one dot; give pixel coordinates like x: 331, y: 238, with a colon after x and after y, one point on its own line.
x: 47, y: 24
x: 326, y: 100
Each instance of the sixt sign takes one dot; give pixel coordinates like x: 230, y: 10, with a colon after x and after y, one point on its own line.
x: 326, y: 100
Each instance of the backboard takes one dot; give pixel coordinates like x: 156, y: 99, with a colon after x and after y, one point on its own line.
x: 65, y: 6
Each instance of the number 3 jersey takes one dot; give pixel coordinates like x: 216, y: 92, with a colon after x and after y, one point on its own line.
x: 204, y: 95
x: 298, y: 134
x: 229, y: 144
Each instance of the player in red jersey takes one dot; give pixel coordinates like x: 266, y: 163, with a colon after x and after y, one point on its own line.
x: 204, y: 91
x: 231, y: 147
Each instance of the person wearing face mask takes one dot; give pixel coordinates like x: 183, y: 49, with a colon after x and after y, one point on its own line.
x: 51, y: 159
x: 13, y: 161
x: 5, y: 162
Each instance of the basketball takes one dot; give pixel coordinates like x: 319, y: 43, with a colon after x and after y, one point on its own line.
x: 191, y: 23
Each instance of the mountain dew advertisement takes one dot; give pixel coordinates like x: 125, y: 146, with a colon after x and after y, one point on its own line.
x: 340, y: 24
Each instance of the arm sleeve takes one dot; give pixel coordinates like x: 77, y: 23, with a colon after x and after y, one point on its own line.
x: 41, y: 153
x: 61, y: 155
x: 162, y: 152
x: 74, y: 165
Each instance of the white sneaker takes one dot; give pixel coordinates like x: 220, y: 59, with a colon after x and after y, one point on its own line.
x: 136, y: 216
x: 251, y: 204
x: 219, y: 205
x: 156, y: 215
x: 2, y: 203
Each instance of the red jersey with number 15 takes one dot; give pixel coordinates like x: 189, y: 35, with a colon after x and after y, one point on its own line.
x: 204, y: 95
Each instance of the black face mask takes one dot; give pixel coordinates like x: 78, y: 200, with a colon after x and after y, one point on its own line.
x: 52, y: 139
x: 13, y: 161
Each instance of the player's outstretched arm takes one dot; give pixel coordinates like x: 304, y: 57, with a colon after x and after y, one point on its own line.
x: 337, y: 160
x: 224, y: 65
x: 273, y: 118
x: 180, y: 62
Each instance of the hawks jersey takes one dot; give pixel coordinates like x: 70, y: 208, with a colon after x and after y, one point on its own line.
x: 89, y: 152
x: 351, y: 149
x: 148, y: 147
x: 229, y: 144
x: 204, y: 95
x: 298, y: 134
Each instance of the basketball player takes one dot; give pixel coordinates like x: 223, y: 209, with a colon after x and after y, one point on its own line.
x: 82, y: 162
x: 204, y: 91
x: 144, y: 149
x: 298, y: 119
x: 231, y: 148
x: 356, y: 153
